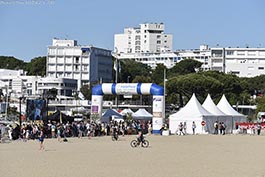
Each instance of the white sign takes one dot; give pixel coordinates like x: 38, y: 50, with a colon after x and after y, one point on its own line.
x: 126, y: 89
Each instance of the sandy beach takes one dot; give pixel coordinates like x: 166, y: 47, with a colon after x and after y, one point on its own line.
x: 167, y: 156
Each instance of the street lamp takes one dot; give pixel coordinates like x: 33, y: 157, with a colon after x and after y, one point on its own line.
x: 116, y: 66
x: 165, y: 80
x: 20, y: 98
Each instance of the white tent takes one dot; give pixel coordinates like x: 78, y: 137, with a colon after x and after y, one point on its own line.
x: 126, y: 112
x: 210, y: 106
x: 193, y: 111
x: 142, y: 114
x: 226, y: 108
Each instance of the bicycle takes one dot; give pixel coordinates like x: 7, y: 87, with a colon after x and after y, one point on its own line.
x: 135, y: 143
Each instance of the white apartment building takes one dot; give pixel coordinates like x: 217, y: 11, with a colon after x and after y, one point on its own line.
x: 148, y: 37
x: 86, y: 64
x: 15, y: 83
x: 244, y: 62
x: 169, y: 59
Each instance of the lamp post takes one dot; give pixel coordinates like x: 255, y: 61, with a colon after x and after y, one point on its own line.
x: 6, y: 101
x: 116, y: 74
x: 165, y: 80
x: 20, y: 98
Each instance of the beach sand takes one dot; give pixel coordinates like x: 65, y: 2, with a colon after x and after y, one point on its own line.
x: 167, y: 156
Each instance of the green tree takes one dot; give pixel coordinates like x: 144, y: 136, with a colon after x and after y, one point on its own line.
x: 37, y: 66
x: 260, y: 105
x: 158, y: 74
x: 13, y: 63
x: 132, y: 68
x: 86, y: 91
x: 184, y: 67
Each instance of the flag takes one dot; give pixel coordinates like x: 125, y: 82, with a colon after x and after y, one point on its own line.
x: 81, y: 96
x: 115, y: 65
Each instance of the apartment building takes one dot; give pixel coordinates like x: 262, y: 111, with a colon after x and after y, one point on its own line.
x: 147, y: 38
x: 87, y: 64
x: 243, y: 62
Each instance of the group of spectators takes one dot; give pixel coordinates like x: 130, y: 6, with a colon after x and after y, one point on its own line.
x: 76, y: 129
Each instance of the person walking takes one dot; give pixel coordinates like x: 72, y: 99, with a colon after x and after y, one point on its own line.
x: 193, y: 126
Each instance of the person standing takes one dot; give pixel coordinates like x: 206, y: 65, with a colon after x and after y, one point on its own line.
x: 41, y: 139
x: 223, y: 128
x: 193, y: 126
x: 181, y: 129
x: 149, y: 126
x: 215, y: 125
x: 258, y: 128
x: 185, y: 128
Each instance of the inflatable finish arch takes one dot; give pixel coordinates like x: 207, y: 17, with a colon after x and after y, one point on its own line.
x: 131, y: 89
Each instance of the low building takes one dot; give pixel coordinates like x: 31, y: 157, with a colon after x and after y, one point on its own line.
x: 87, y: 64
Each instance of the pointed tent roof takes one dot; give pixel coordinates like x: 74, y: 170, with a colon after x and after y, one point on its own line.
x: 192, y: 110
x: 126, y: 111
x: 109, y: 113
x: 226, y: 108
x: 209, y: 105
x: 142, y: 114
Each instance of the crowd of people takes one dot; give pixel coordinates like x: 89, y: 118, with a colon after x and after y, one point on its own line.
x: 79, y: 129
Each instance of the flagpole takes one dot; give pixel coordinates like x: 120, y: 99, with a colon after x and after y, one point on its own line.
x: 116, y: 76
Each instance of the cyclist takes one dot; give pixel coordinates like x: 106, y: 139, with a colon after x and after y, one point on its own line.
x: 140, y: 137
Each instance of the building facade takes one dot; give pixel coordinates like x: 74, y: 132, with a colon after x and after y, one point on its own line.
x: 147, y: 38
x: 243, y: 62
x: 65, y: 87
x: 169, y: 59
x: 86, y: 64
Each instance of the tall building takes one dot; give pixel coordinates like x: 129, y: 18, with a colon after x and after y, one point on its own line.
x: 86, y: 64
x: 148, y: 37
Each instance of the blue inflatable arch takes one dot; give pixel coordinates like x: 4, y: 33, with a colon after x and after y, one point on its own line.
x: 131, y: 89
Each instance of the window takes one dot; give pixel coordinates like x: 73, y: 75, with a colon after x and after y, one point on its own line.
x: 251, y: 53
x: 250, y: 68
x: 158, y: 42
x: 137, y: 37
x: 240, y: 53
x: 158, y: 36
x: 230, y: 52
x: 165, y: 41
x: 261, y: 68
x: 235, y: 72
x: 77, y: 59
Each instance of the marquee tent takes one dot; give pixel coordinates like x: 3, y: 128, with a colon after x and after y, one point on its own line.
x: 142, y: 114
x: 126, y: 112
x: 210, y: 106
x: 226, y: 108
x: 109, y: 114
x: 193, y: 111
